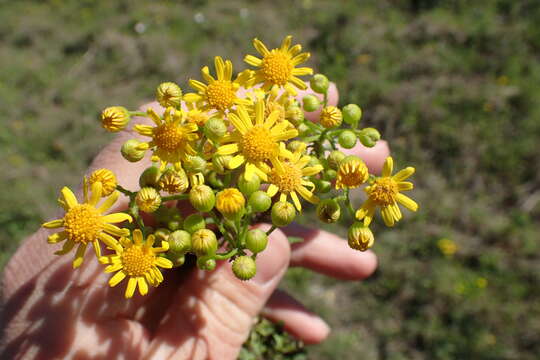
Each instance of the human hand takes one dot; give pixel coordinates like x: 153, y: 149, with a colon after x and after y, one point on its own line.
x: 51, y: 311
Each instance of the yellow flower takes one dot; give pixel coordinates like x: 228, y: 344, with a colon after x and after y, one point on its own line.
x: 277, y: 67
x: 85, y: 223
x: 253, y: 144
x: 330, y: 117
x: 174, y: 182
x: 148, y: 199
x: 106, y: 178
x: 230, y: 201
x: 352, y: 172
x: 137, y: 260
x: 220, y: 93
x: 385, y: 192
x: 360, y: 237
x: 115, y: 118
x: 287, y: 177
x: 172, y: 139
x: 447, y: 247
x: 169, y: 94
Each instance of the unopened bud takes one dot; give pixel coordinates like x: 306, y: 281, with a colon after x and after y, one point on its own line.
x: 179, y: 242
x: 204, y: 242
x: 352, y: 114
x: 149, y: 177
x: 220, y: 162
x: 130, y: 152
x: 206, y: 263
x: 256, y: 240
x: 311, y: 103
x: 107, y: 179
x: 322, y: 186
x: 202, y: 198
x: 169, y: 94
x: 259, y: 201
x: 230, y: 202
x: 328, y: 211
x: 244, y: 267
x: 303, y: 129
x: 369, y: 137
x: 347, y: 139
x: 334, y: 158
x: 195, y: 164
x: 283, y: 213
x: 193, y: 223
x: 294, y: 114
x: 330, y: 117
x: 360, y: 237
x: 115, y: 118
x: 215, y: 129
x: 329, y: 174
x: 319, y: 83
x: 173, y: 181
x: 247, y: 187
x: 148, y: 199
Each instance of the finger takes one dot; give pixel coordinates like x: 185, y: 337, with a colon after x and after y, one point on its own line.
x: 217, y: 309
x: 297, y: 320
x: 373, y: 157
x: 329, y: 254
x: 333, y: 97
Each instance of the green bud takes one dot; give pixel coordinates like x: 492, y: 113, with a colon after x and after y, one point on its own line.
x: 214, y: 180
x: 360, y: 237
x: 130, y: 152
x: 149, y: 177
x: 195, y: 164
x: 247, y: 187
x: 347, y: 139
x: 220, y: 163
x: 259, y: 201
x: 193, y: 223
x: 295, y: 145
x: 369, y: 137
x: 244, y: 267
x: 303, y: 129
x: 352, y: 114
x: 330, y: 174
x: 311, y: 103
x: 174, y: 225
x: 334, y: 158
x: 328, y: 211
x: 204, y: 242
x: 215, y: 129
x: 319, y: 83
x: 322, y: 186
x: 256, y: 240
x: 179, y: 242
x: 162, y: 234
x: 283, y: 213
x: 206, y: 263
x: 202, y: 198
x: 294, y: 114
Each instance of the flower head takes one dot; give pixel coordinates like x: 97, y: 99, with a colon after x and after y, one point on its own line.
x: 172, y: 139
x: 230, y: 201
x: 219, y: 93
x: 330, y: 117
x: 385, y: 192
x: 352, y: 172
x: 173, y: 181
x: 278, y: 66
x: 255, y: 143
x: 360, y: 237
x: 288, y: 178
x: 169, y: 94
x: 106, y: 178
x: 138, y: 261
x: 115, y: 118
x: 148, y: 199
x: 85, y: 223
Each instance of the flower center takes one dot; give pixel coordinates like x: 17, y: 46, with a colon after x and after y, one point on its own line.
x: 277, y: 67
x: 288, y: 180
x: 168, y: 137
x: 221, y: 94
x: 137, y: 260
x: 82, y: 223
x: 272, y: 106
x: 258, y: 144
x: 384, y: 191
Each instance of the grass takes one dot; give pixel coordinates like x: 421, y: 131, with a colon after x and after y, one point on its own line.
x: 452, y: 86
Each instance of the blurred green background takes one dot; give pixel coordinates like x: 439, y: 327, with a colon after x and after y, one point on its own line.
x: 454, y: 86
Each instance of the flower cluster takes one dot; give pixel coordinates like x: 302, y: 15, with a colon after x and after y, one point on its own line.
x: 238, y: 150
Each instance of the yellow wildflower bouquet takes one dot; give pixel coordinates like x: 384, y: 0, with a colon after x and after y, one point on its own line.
x: 238, y: 150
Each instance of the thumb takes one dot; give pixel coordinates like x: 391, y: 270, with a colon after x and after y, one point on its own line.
x: 214, y: 311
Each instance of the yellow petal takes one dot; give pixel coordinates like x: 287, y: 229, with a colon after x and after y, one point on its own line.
x: 117, y: 218
x: 405, y: 185
x: 407, y: 202
x: 119, y: 276
x: 300, y: 58
x: 252, y: 60
x: 299, y: 83
x: 96, y: 189
x: 114, y: 267
x: 57, y: 237
x: 54, y: 224
x: 106, y: 205
x: 68, y: 245
x: 227, y: 149
x: 272, y: 190
x: 403, y: 174
x: 260, y: 47
x: 115, y: 230
x: 236, y: 161
x: 296, y: 201
x: 97, y: 248
x: 311, y: 170
x: 79, y: 255
x: 143, y: 285
x: 238, y: 123
x: 69, y: 197
x: 388, y: 167
x: 109, y: 241
x: 163, y: 262
x: 302, y: 71
x: 387, y: 216
x: 130, y: 289
x: 137, y: 237
x: 259, y: 112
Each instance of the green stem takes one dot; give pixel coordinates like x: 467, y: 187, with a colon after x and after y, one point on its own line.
x: 137, y: 113
x: 271, y: 230
x: 226, y: 255
x: 348, y: 203
x: 125, y: 191
x: 175, y: 197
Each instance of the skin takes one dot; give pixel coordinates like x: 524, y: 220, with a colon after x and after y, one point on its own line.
x: 51, y: 311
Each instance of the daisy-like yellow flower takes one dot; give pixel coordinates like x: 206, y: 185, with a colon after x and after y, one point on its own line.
x: 385, y: 192
x: 352, y: 172
x: 287, y: 177
x: 278, y: 66
x: 256, y: 143
x: 138, y: 261
x: 85, y: 223
x: 220, y: 93
x: 107, y: 179
x: 172, y: 139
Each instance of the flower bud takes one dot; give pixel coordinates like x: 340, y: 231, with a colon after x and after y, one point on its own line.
x: 319, y: 83
x: 148, y: 199
x: 204, y: 242
x: 360, y: 237
x: 177, y: 260
x: 174, y: 225
x: 115, y: 118
x: 130, y: 152
x: 162, y: 234
x: 303, y: 129
x: 283, y: 213
x: 195, y: 164
x: 369, y: 137
x: 215, y: 129
x: 220, y: 163
x: 230, y: 202
x: 106, y: 178
x: 169, y: 94
x: 256, y: 240
x: 314, y: 161
x: 193, y: 223
x: 334, y: 158
x: 260, y: 201
x: 214, y: 180
x: 330, y: 117
x: 202, y: 198
x: 347, y: 139
x: 328, y: 211
x: 149, y: 177
x: 322, y: 186
x: 294, y: 114
x: 179, y: 242
x: 247, y: 187
x: 329, y: 174
x: 311, y: 103
x: 244, y: 267
x: 352, y: 172
x: 352, y: 114
x: 173, y: 181
x: 295, y: 145
x: 206, y: 263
